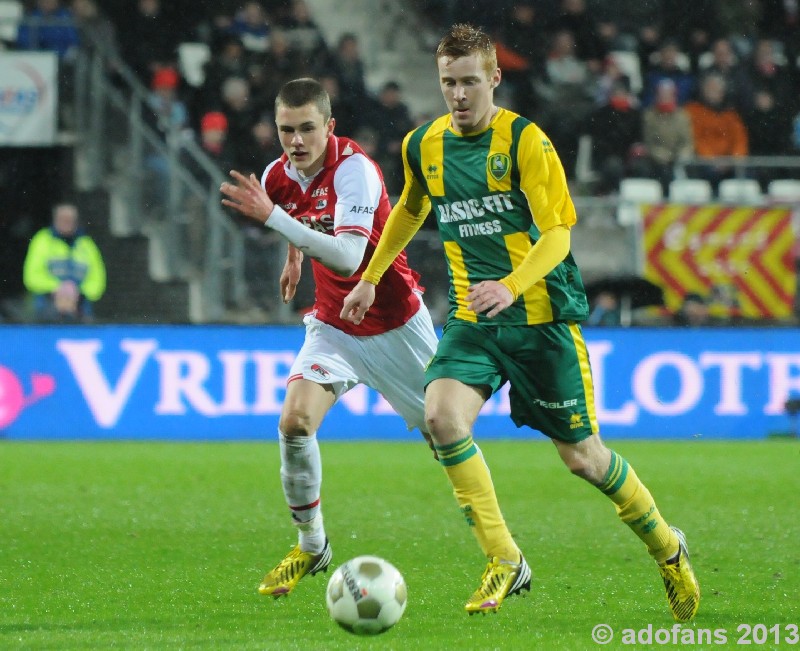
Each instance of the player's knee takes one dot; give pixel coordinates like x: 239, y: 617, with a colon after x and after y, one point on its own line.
x: 295, y: 423
x: 587, y: 459
x: 443, y: 426
x: 580, y: 467
x: 584, y: 464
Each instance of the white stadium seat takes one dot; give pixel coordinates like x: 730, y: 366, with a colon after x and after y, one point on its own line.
x: 784, y: 190
x: 628, y: 63
x: 633, y: 192
x: 11, y: 12
x: 745, y: 191
x: 690, y: 191
x: 192, y: 58
x: 640, y: 190
x: 584, y: 173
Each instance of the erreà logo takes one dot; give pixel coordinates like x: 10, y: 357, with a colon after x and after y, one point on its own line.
x: 499, y: 166
x: 575, y: 421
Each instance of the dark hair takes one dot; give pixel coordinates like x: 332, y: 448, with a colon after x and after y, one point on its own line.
x: 68, y: 202
x: 463, y: 39
x: 299, y: 92
x: 693, y: 297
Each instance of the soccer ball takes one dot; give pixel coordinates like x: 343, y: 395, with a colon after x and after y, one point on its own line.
x: 366, y: 595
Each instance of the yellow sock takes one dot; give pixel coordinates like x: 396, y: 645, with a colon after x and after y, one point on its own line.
x: 636, y: 508
x: 474, y: 491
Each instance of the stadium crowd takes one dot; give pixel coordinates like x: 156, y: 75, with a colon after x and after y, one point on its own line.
x: 652, y: 82
x: 255, y: 48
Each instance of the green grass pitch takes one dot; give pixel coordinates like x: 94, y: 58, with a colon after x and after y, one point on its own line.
x: 161, y: 545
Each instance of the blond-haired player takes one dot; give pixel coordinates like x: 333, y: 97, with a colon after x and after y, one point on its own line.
x: 498, y: 192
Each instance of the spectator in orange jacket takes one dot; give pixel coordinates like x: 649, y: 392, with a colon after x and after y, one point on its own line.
x: 718, y: 129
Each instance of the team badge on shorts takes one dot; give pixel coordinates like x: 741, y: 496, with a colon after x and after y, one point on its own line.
x: 499, y: 166
x: 319, y: 370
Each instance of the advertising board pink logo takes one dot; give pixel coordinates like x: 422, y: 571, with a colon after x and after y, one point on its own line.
x: 12, y: 397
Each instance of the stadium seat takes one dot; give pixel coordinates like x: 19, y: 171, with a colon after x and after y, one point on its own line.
x: 690, y: 191
x: 640, y: 190
x: 192, y: 58
x: 682, y: 60
x: 628, y: 63
x: 584, y: 172
x: 745, y: 191
x: 633, y: 192
x: 11, y: 12
x: 784, y: 190
x: 705, y: 60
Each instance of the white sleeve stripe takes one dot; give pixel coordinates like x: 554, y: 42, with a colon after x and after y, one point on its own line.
x: 352, y: 229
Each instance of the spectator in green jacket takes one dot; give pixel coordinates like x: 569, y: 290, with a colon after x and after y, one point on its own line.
x: 64, y: 270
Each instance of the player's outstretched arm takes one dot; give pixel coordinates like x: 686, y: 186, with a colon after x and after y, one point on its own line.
x: 358, y: 301
x: 341, y: 253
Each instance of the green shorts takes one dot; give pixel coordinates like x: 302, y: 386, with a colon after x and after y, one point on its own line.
x: 546, y: 365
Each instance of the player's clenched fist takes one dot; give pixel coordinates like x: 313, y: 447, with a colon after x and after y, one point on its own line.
x: 358, y: 301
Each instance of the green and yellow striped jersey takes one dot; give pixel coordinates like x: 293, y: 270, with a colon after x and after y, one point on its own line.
x: 492, y: 193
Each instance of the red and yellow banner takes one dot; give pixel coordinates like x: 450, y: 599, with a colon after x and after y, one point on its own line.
x: 744, y: 255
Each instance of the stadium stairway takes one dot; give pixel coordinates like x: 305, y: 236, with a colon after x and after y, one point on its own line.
x: 131, y: 295
x: 396, y: 45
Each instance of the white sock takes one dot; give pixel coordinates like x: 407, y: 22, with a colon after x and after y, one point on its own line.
x: 311, y: 535
x: 301, y: 477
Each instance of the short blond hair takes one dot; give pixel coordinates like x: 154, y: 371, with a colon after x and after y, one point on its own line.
x: 463, y: 39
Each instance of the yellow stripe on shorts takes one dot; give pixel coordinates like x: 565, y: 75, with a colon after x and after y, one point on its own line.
x: 586, y: 374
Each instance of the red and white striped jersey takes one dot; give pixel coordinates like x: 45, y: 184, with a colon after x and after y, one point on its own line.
x: 346, y: 195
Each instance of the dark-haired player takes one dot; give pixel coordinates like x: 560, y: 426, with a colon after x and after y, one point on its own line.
x: 328, y: 200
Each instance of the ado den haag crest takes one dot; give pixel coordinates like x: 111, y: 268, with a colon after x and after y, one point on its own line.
x: 499, y: 165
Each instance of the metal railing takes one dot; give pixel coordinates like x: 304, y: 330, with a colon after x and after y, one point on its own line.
x: 109, y: 123
x: 741, y: 165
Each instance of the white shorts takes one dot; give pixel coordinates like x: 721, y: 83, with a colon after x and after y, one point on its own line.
x: 392, y: 363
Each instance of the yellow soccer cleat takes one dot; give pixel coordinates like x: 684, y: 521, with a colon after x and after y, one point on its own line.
x: 499, y: 580
x: 683, y: 591
x: 282, y: 579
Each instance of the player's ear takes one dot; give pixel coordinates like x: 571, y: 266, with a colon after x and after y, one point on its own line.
x: 495, y: 78
x: 331, y: 125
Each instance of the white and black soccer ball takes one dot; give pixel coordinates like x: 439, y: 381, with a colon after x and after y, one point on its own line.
x: 366, y: 595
